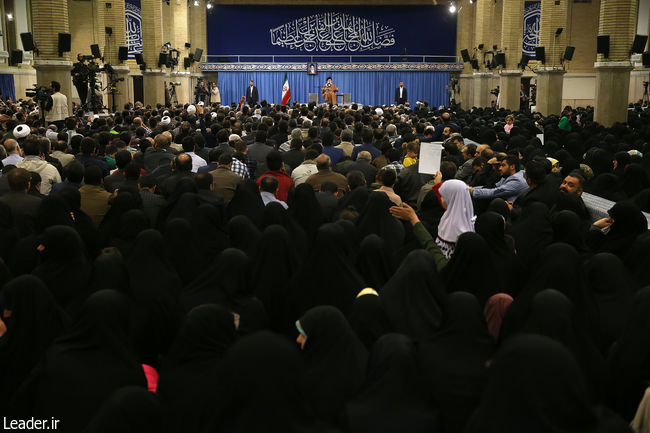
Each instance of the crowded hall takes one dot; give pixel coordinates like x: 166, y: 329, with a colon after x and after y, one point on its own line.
x: 301, y: 216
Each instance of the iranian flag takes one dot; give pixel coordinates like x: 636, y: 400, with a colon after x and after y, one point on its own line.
x: 286, y: 93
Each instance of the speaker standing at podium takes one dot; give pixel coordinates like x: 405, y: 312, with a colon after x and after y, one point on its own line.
x: 329, y: 92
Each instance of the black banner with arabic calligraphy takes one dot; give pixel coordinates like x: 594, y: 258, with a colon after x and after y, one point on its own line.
x: 332, y: 31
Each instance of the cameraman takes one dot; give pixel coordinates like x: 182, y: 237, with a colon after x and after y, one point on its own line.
x: 56, y: 109
x: 79, y: 78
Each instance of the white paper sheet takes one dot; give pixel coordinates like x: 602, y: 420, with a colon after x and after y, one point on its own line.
x: 430, y: 155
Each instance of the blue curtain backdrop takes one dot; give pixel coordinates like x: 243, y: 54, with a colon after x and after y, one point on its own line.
x: 7, y: 86
x: 367, y: 88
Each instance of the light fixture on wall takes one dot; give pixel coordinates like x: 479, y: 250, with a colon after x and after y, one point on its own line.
x: 196, y: 3
x: 209, y: 5
x: 10, y: 17
x: 452, y: 8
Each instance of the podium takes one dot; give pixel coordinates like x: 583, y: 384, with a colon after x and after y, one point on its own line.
x: 346, y: 98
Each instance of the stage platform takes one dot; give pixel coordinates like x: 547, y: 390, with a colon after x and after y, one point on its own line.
x: 367, y: 83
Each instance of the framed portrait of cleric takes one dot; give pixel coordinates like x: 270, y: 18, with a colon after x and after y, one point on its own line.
x: 312, y: 68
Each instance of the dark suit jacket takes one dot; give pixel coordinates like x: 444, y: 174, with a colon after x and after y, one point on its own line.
x: 257, y: 152
x: 112, y: 182
x: 210, y: 197
x: 369, y: 171
x: 225, y: 147
x: 547, y: 192
x: 293, y: 159
x: 252, y: 97
x: 24, y: 208
x: 328, y: 203
x: 168, y: 187
x: 152, y: 204
x: 403, y: 99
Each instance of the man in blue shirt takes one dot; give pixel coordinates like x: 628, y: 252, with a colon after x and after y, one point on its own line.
x: 367, y: 145
x: 89, y: 156
x: 13, y: 152
x: 334, y: 153
x: 509, y: 187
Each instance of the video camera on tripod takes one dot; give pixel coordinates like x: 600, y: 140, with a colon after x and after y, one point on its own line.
x: 39, y: 93
x: 170, y: 94
x: 43, y: 97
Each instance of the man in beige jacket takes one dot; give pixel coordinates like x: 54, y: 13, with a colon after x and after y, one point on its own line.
x: 346, y: 142
x: 58, y: 111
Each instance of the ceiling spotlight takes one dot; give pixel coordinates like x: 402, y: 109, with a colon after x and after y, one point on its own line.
x: 10, y: 17
x: 471, y: 1
x: 452, y: 8
x: 196, y: 2
x: 209, y: 5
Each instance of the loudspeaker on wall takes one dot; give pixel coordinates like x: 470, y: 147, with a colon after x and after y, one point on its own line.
x: 162, y: 59
x: 94, y: 49
x: 197, y: 54
x: 64, y: 43
x: 639, y: 43
x: 123, y: 53
x: 602, y: 45
x: 500, y: 59
x: 16, y: 57
x: 568, y: 52
x: 28, y: 41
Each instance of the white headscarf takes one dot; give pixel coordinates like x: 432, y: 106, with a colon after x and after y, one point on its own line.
x: 457, y: 219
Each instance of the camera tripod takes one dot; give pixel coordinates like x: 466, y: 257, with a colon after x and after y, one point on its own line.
x: 646, y: 99
x: 172, y: 94
x: 95, y: 102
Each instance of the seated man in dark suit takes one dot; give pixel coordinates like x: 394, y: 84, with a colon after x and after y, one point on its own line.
x: 364, y: 166
x: 205, y: 186
x: 328, y: 200
x: 543, y: 186
x: 152, y: 203
x: 182, y: 168
x: 24, y: 207
x: 113, y: 181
